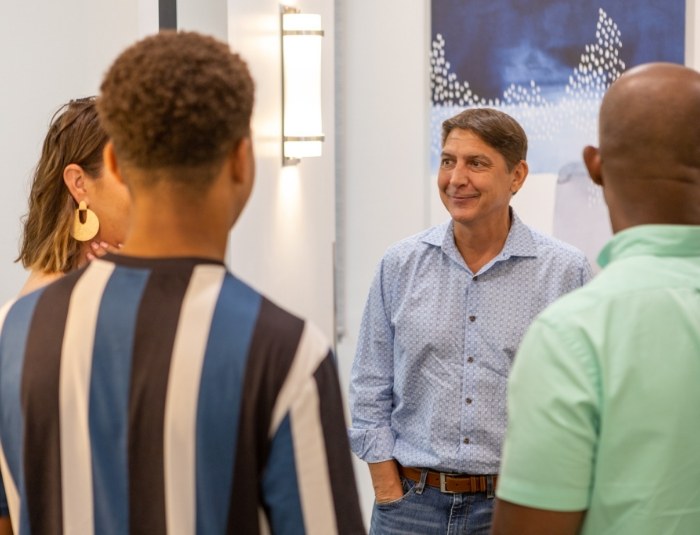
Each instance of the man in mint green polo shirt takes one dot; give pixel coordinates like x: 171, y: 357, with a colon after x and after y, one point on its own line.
x: 604, y: 396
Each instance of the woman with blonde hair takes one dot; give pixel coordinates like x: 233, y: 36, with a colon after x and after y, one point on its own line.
x: 76, y: 211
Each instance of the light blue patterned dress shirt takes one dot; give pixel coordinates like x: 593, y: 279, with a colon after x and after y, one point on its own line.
x: 428, y: 385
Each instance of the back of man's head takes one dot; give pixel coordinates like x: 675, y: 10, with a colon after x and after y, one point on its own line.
x: 173, y: 103
x: 652, y: 112
x: 649, y: 156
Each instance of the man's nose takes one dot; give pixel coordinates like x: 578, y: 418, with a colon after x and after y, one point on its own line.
x: 460, y: 174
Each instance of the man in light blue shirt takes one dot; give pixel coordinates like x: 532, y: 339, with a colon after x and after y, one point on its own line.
x: 444, y: 318
x: 604, y: 405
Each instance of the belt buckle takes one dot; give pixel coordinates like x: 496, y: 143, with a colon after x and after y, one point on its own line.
x: 443, y: 481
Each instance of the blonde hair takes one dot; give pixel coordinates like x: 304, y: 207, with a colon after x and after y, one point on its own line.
x: 75, y: 136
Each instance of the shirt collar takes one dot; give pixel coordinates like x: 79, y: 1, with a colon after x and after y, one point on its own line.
x: 519, y: 243
x: 648, y: 240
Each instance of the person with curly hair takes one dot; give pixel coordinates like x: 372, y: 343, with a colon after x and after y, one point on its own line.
x: 76, y: 211
x: 159, y: 393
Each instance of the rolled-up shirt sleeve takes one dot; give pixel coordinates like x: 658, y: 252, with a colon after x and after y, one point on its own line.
x: 372, y: 377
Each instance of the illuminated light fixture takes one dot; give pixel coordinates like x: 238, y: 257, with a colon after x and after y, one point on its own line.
x: 302, y: 134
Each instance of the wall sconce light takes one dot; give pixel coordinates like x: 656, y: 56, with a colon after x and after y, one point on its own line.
x: 302, y: 134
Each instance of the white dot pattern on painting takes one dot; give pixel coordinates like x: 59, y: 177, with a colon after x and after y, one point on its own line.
x: 599, y: 66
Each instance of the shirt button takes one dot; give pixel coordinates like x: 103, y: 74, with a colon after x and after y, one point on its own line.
x: 466, y: 440
x: 475, y: 278
x: 469, y: 400
x: 472, y: 318
x: 470, y: 359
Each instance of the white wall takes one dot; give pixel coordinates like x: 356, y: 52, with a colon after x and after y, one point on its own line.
x: 692, y: 34
x: 283, y: 244
x: 51, y: 52
x: 385, y: 169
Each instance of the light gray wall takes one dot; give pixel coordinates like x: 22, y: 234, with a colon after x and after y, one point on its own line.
x: 385, y: 169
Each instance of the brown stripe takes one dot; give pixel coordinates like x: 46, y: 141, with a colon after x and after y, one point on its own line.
x: 156, y: 325
x: 345, y: 498
x: 272, y: 349
x: 40, y: 407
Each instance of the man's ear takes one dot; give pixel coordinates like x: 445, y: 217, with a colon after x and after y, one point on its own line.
x: 591, y: 157
x: 74, y: 179
x: 111, y: 165
x: 243, y: 161
x: 519, y: 175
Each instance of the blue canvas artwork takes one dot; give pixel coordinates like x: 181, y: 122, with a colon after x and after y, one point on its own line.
x: 548, y: 63
x: 545, y: 62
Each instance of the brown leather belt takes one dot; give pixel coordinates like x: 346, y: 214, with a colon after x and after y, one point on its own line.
x: 452, y: 483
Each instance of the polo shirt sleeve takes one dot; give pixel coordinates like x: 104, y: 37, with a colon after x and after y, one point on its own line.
x: 553, y: 407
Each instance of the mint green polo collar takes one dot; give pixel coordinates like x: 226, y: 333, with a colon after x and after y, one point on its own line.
x: 648, y: 240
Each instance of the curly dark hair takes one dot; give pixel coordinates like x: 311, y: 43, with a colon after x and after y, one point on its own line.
x: 176, y: 101
x: 497, y: 129
x: 75, y: 136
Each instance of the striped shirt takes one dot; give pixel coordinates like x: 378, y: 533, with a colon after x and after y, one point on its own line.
x: 166, y: 396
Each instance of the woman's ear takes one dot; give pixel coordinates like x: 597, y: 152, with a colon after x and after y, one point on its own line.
x: 74, y: 179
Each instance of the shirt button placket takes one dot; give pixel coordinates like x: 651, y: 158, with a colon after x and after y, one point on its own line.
x: 470, y: 359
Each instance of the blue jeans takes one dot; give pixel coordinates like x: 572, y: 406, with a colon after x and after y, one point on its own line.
x: 424, y: 510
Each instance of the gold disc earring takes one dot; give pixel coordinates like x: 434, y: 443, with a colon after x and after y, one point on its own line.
x: 85, y: 223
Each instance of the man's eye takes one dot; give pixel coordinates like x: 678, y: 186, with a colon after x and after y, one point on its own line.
x: 477, y: 163
x: 445, y: 162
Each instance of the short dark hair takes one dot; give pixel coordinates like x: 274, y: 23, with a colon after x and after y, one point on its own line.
x: 497, y: 129
x: 74, y: 136
x: 176, y: 101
